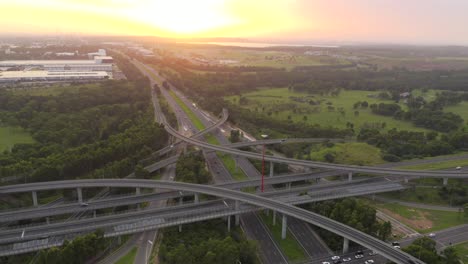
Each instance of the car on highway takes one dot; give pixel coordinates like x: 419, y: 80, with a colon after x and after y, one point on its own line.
x: 458, y: 168
x: 372, y: 253
x: 396, y: 244
x: 359, y: 254
x: 369, y: 261
x: 335, y: 257
x: 432, y: 235
x: 347, y: 259
x: 325, y: 262
x: 83, y: 204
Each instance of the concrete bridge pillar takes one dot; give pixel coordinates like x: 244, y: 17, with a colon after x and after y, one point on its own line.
x: 271, y: 168
x: 119, y: 240
x: 289, y: 186
x: 47, y: 220
x: 196, y: 198
x: 181, y: 201
x: 236, y: 207
x: 406, y: 179
x: 345, y: 245
x: 284, y: 226
x: 350, y: 176
x: 229, y: 223
x: 445, y: 181
x: 80, y: 195
x: 137, y: 191
x: 274, y: 218
x: 34, y: 197
x: 236, y: 163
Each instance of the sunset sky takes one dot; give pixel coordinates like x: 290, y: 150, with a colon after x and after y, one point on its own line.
x: 394, y: 21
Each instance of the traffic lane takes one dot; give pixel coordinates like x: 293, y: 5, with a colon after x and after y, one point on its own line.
x: 269, y: 251
x: 307, y: 238
x: 452, y: 236
x: 376, y: 258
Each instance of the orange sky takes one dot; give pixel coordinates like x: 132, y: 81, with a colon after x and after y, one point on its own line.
x: 397, y: 21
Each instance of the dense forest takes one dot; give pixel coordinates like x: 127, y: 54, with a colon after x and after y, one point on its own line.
x: 353, y: 213
x: 424, y: 248
x: 98, y: 130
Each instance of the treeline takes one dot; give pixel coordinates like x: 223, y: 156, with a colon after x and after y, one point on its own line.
x: 398, y: 145
x: 351, y: 212
x: 206, y: 243
x: 191, y: 168
x: 424, y: 248
x: 426, y: 114
x: 101, y: 130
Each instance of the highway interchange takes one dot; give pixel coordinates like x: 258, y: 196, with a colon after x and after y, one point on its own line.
x: 222, y: 189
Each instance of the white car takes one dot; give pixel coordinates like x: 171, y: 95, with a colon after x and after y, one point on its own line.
x: 369, y: 261
x: 432, y: 235
x: 335, y: 257
x: 346, y: 259
x: 325, y: 262
x: 358, y: 256
x: 458, y: 168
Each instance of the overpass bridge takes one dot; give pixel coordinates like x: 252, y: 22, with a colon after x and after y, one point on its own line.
x: 347, y: 232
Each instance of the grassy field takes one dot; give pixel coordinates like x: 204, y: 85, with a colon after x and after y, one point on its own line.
x: 129, y: 258
x: 9, y: 136
x: 198, y: 124
x: 422, y: 220
x: 349, y: 153
x: 462, y: 250
x: 290, y: 247
x: 278, y: 104
x: 230, y: 165
x: 265, y: 58
x: 419, y: 195
x: 460, y: 109
x: 450, y: 164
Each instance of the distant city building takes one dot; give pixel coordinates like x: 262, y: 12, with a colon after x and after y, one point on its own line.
x: 47, y: 76
x: 101, y: 52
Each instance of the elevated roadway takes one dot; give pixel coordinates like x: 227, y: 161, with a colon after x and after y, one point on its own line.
x: 315, y: 164
x: 361, y: 238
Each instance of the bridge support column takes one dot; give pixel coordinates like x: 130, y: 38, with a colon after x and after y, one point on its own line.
x: 181, y: 201
x: 137, y: 191
x: 94, y: 213
x: 236, y: 163
x: 80, y: 195
x: 229, y: 223
x: 236, y: 207
x: 274, y: 218
x: 289, y: 186
x: 345, y: 245
x: 119, y: 240
x: 445, y: 181
x: 350, y: 176
x: 34, y: 197
x: 406, y: 179
x: 307, y: 169
x: 272, y: 168
x: 284, y: 226
x: 47, y: 220
x: 196, y: 198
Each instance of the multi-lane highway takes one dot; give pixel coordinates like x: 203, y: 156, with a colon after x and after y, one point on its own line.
x: 370, y: 242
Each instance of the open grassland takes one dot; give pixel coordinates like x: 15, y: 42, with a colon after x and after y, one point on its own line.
x: 129, y: 258
x: 9, y: 136
x: 353, y: 153
x: 450, y: 164
x: 462, y: 250
x: 419, y: 195
x: 290, y: 247
x: 281, y: 104
x: 460, y: 109
x: 250, y: 57
x: 422, y: 220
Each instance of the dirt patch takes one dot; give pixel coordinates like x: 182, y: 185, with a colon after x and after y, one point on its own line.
x: 419, y: 220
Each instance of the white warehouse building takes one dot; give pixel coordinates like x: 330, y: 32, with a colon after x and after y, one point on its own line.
x: 99, y: 63
x: 47, y: 76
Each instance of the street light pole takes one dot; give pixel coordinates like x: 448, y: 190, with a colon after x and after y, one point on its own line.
x: 146, y: 252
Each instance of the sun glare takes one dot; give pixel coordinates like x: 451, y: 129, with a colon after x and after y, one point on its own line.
x: 185, y: 17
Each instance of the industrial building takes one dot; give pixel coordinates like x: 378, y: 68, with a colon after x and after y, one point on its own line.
x: 47, y: 76
x: 99, y: 63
